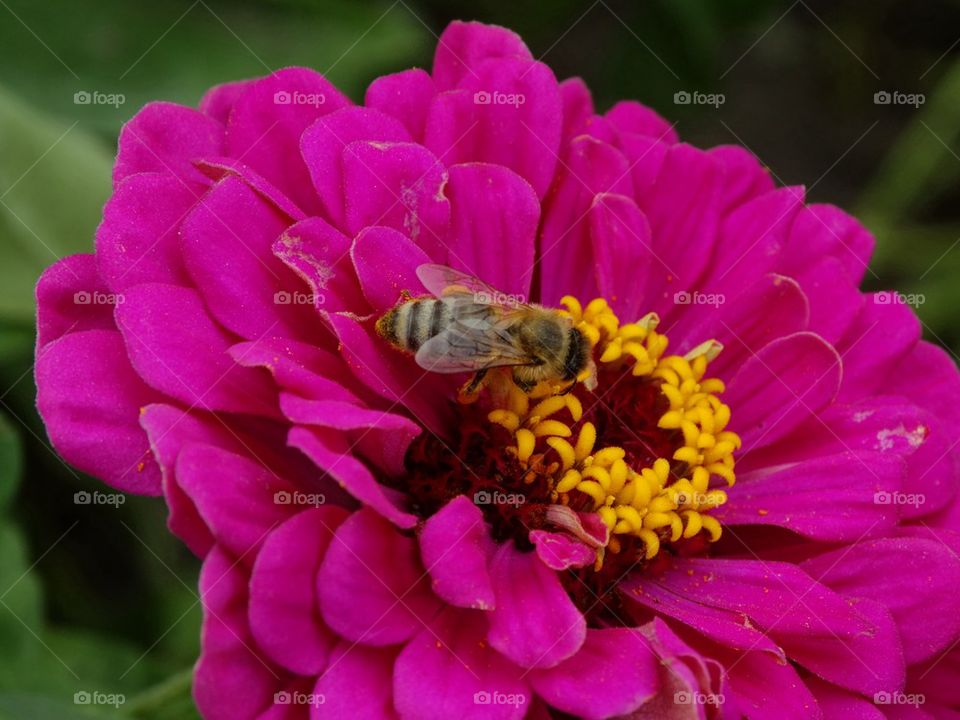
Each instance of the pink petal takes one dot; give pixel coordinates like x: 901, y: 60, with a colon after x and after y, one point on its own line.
x: 218, y: 101
x: 506, y: 111
x: 745, y: 176
x: 356, y: 684
x: 166, y: 138
x: 230, y: 682
x: 322, y: 147
x: 404, y: 95
x: 266, y: 124
x: 66, y: 292
x: 534, y: 623
x: 320, y: 255
x: 178, y: 349
x: 237, y: 498
x: 330, y: 451
x: 629, y: 116
x: 825, y: 230
x: 386, y: 263
x: 399, y: 185
x: 284, y: 613
x: 371, y: 583
x: 612, y: 674
x: 834, y: 299
x: 456, y: 546
x: 765, y: 688
x: 620, y: 235
x: 227, y: 242
x: 216, y: 168
x: 464, y: 45
x: 90, y: 399
x: 788, y: 381
x: 560, y: 551
x: 831, y: 498
x: 914, y: 577
x: 836, y: 702
x: 138, y: 238
x: 448, y: 671
x: 577, y: 107
x: 494, y: 214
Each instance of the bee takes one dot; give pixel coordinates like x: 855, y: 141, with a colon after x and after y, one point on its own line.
x: 468, y: 326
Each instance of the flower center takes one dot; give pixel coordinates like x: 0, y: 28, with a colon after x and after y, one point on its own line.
x: 632, y: 469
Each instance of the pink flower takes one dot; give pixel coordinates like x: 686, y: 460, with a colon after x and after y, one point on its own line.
x: 374, y: 548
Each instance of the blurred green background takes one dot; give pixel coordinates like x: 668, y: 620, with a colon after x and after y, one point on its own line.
x: 97, y: 598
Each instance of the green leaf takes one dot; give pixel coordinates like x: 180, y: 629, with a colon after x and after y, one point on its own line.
x: 11, y: 463
x: 54, y: 179
x: 20, y: 603
x: 20, y: 706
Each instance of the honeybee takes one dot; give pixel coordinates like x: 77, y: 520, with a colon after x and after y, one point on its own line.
x: 468, y: 326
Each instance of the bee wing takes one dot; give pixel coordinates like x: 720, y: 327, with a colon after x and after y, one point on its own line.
x: 443, y: 281
x: 474, y: 341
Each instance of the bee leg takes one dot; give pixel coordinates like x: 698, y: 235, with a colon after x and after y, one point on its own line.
x: 475, y: 382
x: 568, y: 388
x: 525, y: 385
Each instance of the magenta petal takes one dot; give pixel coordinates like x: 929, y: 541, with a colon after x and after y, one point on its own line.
x: 66, y: 292
x: 766, y: 688
x: 836, y: 702
x: 227, y: 245
x: 577, y: 108
x: 834, y: 300
x: 620, y: 236
x: 322, y: 148
x: 448, y: 671
x: 456, y: 546
x: 320, y: 255
x: 166, y: 138
x: 386, y: 263
x: 399, y: 185
x: 218, y: 101
x: 177, y: 349
x: 371, y: 584
x: 284, y: 613
x: 404, y: 95
x: 535, y: 623
x: 357, y: 684
x: 629, y: 116
x: 776, y: 389
x: 745, y: 177
x: 560, y: 551
x: 216, y: 168
x: 137, y: 240
x: 825, y: 632
x: 915, y: 578
x: 236, y: 497
x: 266, y: 123
x: 827, y: 231
x: 90, y: 399
x: 612, y: 674
x: 832, y: 498
x: 230, y: 682
x: 507, y: 111
x: 330, y: 451
x: 494, y: 215
x: 464, y: 45
x: 380, y: 436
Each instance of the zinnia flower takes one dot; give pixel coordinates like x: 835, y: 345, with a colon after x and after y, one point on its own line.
x: 752, y: 514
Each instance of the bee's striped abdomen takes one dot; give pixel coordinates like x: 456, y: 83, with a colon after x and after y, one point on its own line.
x: 410, y: 324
